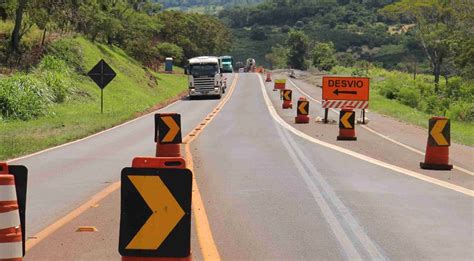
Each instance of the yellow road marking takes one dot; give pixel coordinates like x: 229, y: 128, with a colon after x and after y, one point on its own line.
x: 208, y: 247
x: 72, y: 215
x: 206, y: 240
x: 354, y: 154
x: 437, y: 132
x: 345, y: 120
x: 166, y: 212
x: 173, y: 128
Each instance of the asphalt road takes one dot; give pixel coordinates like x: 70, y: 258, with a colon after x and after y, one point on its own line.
x: 272, y: 195
x: 62, y: 179
x: 269, y: 193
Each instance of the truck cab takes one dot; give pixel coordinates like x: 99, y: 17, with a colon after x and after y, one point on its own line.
x: 227, y: 64
x: 205, y: 77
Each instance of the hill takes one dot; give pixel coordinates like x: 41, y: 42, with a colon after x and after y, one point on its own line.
x: 40, y: 121
x: 353, y: 27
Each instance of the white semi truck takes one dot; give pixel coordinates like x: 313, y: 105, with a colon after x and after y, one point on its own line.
x: 205, y: 77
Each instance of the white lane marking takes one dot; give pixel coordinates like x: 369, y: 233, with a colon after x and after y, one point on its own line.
x: 9, y: 219
x: 11, y: 250
x: 7, y: 193
x: 333, y: 222
x: 370, y: 246
x: 380, y: 134
x: 407, y: 172
x: 90, y: 136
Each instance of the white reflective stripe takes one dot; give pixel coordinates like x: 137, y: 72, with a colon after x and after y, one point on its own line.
x: 7, y: 193
x: 11, y: 250
x: 9, y: 219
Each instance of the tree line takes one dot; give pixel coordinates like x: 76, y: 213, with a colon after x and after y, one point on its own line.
x: 140, y: 27
x: 405, y: 34
x: 191, y: 3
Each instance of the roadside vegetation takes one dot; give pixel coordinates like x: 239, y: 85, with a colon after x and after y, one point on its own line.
x: 57, y: 105
x: 47, y: 47
x: 418, y: 53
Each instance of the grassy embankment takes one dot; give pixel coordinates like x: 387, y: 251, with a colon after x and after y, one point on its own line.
x: 413, y: 101
x: 134, y: 91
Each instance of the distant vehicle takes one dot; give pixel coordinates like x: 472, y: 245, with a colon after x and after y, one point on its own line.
x: 205, y: 76
x: 292, y: 74
x: 239, y: 65
x: 227, y: 64
x: 250, y: 65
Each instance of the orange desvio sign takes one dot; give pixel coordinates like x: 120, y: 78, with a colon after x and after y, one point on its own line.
x: 345, y: 88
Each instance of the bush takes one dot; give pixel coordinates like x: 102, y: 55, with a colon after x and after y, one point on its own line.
x: 170, y: 50
x: 434, y: 105
x: 58, y: 83
x: 461, y: 110
x: 69, y: 51
x: 55, y: 74
x: 409, y: 96
x: 23, y: 97
x: 389, y: 88
x: 258, y: 34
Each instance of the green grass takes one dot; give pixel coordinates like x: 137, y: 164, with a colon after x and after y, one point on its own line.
x: 461, y: 132
x: 132, y: 92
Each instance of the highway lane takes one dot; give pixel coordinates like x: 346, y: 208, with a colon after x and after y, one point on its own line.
x: 407, y: 134
x: 371, y: 144
x: 270, y: 194
x: 63, y: 178
x: 273, y: 195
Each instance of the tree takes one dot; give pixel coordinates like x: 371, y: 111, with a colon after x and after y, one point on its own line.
x: 170, y: 50
x: 297, y: 43
x: 17, y: 29
x: 434, y: 20
x: 278, y: 57
x: 324, y: 56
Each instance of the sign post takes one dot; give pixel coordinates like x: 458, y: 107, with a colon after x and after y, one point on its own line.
x: 339, y: 92
x: 102, y: 74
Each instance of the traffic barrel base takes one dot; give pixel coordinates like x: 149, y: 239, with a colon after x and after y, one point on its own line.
x: 168, y: 150
x: 302, y: 119
x: 346, y: 134
x: 287, y: 105
x: 436, y: 158
x: 129, y: 258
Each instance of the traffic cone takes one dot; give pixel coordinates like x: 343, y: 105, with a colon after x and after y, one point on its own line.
x: 269, y: 77
x: 302, y: 111
x: 11, y: 244
x: 437, y: 146
x: 347, y: 124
